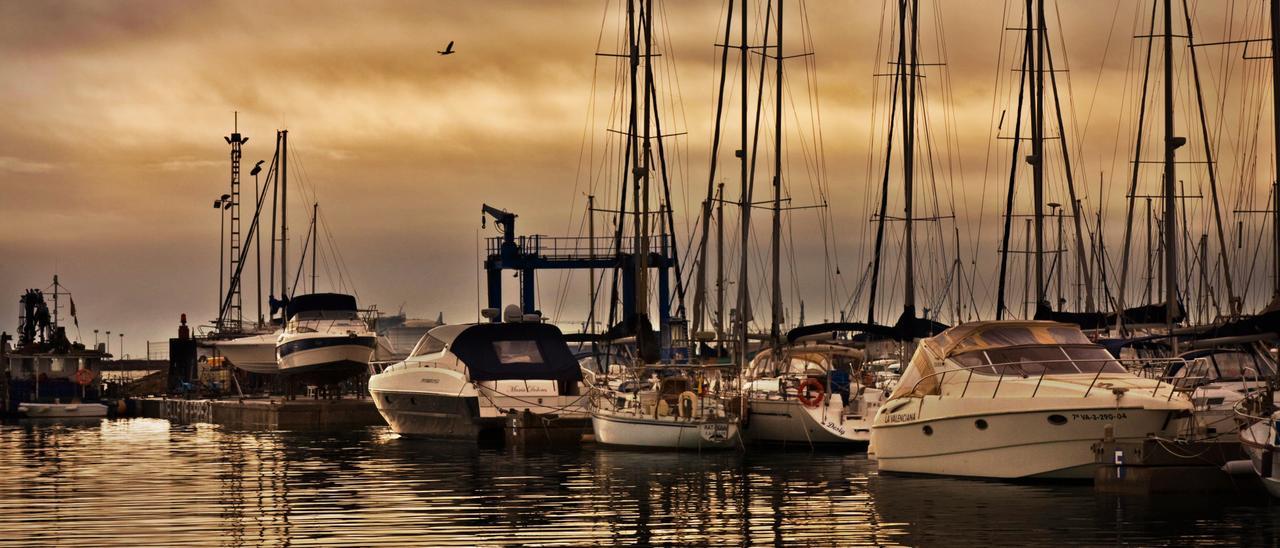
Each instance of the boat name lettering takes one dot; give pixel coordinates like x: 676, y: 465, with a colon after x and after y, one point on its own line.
x: 901, y: 417
x: 429, y: 380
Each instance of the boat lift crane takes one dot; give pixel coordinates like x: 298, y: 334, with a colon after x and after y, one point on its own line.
x: 529, y: 254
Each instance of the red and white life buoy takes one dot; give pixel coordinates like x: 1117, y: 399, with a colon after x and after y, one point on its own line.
x: 84, y: 376
x: 810, y: 393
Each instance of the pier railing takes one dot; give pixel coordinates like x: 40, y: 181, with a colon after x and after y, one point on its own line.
x: 558, y: 247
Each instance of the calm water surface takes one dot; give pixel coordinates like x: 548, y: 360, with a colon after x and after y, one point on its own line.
x: 149, y: 482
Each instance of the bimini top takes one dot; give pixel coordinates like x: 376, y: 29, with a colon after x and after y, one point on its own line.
x: 320, y: 302
x: 1003, y: 333
x: 506, y: 351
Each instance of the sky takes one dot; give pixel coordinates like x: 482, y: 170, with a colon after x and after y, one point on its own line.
x: 112, y: 150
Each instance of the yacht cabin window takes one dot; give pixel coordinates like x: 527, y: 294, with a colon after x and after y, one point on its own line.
x: 517, y: 352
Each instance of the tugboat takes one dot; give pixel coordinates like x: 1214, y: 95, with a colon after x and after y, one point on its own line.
x: 47, y: 375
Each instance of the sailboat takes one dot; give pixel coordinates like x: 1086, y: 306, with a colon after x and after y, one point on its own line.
x: 657, y: 398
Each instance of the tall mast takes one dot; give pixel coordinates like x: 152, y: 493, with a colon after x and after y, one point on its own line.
x: 233, y: 312
x: 284, y: 214
x: 888, y: 164
x: 1006, y: 233
x: 908, y: 165
x: 719, y: 323
x: 743, y: 302
x: 1171, y: 143
x: 1036, y: 160
x: 1275, y: 112
x: 775, y: 336
x: 642, y: 279
x: 315, y: 242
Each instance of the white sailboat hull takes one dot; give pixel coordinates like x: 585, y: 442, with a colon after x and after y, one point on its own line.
x: 1260, y: 443
x: 788, y: 421
x: 623, y: 429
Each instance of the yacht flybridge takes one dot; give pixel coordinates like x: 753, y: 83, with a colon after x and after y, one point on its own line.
x: 464, y: 381
x: 1017, y: 399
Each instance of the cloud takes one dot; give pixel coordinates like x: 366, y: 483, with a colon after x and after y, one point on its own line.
x: 18, y: 165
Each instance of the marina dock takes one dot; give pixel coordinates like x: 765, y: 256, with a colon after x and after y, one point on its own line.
x: 273, y: 413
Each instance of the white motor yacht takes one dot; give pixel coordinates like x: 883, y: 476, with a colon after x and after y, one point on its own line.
x: 815, y: 394
x: 1017, y: 399
x: 465, y: 381
x: 325, y: 340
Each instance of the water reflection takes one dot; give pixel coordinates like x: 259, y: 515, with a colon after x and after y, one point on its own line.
x: 132, y: 482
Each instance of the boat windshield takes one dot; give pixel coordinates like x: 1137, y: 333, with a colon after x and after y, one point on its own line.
x: 428, y: 345
x: 1040, y: 360
x: 517, y: 352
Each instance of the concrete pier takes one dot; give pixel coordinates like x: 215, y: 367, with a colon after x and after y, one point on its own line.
x: 263, y: 413
x: 1153, y: 467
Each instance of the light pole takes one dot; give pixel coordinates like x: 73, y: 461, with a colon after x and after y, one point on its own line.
x: 223, y: 203
x: 95, y: 339
x: 122, y: 346
x: 108, y: 342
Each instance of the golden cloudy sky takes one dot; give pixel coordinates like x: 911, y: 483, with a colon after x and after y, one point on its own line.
x: 111, y: 146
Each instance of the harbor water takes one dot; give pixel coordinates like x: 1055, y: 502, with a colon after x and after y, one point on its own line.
x: 136, y: 482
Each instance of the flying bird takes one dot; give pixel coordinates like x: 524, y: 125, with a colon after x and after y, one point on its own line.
x: 448, y: 50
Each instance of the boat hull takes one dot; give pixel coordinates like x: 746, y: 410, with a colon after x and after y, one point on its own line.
x: 62, y: 410
x: 256, y: 354
x: 1050, y: 442
x: 1259, y: 442
x: 663, y: 433
x: 325, y: 360
x: 788, y: 421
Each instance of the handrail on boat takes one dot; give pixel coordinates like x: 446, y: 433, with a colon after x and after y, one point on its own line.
x: 1003, y: 366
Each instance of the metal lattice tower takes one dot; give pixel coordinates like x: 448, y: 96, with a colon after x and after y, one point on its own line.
x: 233, y: 314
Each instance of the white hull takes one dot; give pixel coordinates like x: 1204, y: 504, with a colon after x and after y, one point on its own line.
x: 789, y: 421
x: 62, y: 410
x: 1259, y: 442
x: 325, y: 358
x: 1050, y: 438
x: 624, y: 429
x: 255, y: 354
x: 440, y: 403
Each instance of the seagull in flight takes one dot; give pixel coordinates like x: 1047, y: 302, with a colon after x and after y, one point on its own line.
x: 448, y: 50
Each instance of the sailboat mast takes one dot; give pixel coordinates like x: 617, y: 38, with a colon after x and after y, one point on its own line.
x: 1170, y: 178
x: 1036, y: 160
x: 908, y: 161
x: 284, y: 214
x: 1275, y: 112
x: 775, y: 324
x: 642, y: 280
x: 746, y: 196
x: 719, y: 323
x: 315, y: 243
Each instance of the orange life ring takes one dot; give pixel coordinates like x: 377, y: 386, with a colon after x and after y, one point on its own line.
x: 84, y: 376
x: 810, y: 393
